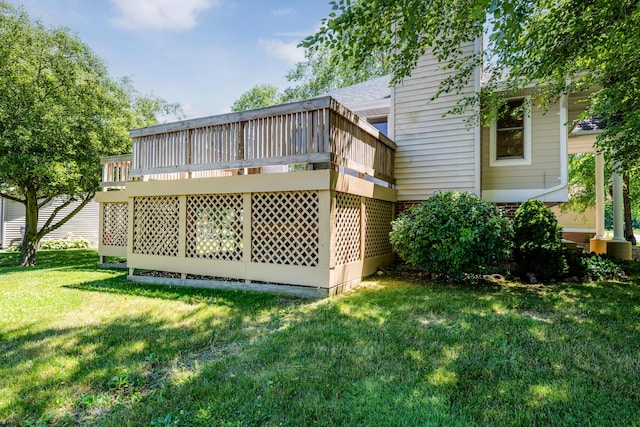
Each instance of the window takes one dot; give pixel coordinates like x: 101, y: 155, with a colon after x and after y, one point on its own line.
x: 511, y: 135
x: 379, y: 123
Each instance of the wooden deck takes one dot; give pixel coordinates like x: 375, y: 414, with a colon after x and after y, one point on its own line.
x: 315, y: 231
x: 313, y: 134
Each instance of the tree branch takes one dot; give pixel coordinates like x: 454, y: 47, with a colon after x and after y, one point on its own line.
x: 46, y: 229
x: 13, y: 198
x: 45, y: 201
x: 56, y: 210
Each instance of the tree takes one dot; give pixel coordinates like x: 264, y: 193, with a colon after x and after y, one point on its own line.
x: 556, y: 46
x: 318, y: 74
x: 59, y: 113
x: 258, y: 96
x: 321, y: 72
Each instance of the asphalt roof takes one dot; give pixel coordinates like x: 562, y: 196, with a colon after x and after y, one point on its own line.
x: 371, y: 90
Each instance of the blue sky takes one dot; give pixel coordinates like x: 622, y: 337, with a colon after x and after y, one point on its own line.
x: 201, y: 53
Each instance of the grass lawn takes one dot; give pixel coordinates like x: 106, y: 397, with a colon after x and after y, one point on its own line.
x: 79, y: 345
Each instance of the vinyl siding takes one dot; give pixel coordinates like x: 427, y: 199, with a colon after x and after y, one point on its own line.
x: 572, y: 220
x: 84, y: 224
x: 435, y: 153
x: 544, y: 170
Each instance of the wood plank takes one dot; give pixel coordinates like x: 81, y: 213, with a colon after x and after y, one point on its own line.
x: 293, y: 107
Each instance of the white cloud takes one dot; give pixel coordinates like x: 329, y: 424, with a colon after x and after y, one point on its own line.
x: 172, y: 15
x: 289, y: 51
x: 283, y: 11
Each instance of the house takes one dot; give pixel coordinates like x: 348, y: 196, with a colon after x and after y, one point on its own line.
x: 299, y: 197
x: 12, y: 217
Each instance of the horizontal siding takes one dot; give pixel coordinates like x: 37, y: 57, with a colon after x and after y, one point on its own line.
x: 544, y: 171
x: 14, y: 220
x: 572, y: 219
x: 85, y: 224
x: 435, y: 153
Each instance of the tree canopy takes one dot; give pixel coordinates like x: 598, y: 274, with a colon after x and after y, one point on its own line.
x: 59, y: 113
x: 258, y: 96
x: 318, y: 74
x: 554, y: 46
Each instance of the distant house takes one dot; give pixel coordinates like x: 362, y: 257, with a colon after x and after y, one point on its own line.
x: 299, y: 197
x: 12, y: 217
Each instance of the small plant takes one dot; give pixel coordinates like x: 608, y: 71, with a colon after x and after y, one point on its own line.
x: 537, y: 241
x: 69, y: 241
x: 598, y: 267
x: 453, y: 234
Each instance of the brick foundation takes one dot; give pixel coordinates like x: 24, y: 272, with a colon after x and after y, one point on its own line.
x: 509, y: 208
x: 402, y: 206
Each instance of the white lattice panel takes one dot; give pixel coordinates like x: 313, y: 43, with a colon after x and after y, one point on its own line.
x: 285, y: 228
x: 347, y: 228
x: 156, y: 225
x: 214, y: 227
x: 378, y: 217
x: 115, y: 223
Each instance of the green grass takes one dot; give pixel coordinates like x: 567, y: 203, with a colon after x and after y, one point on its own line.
x: 79, y: 345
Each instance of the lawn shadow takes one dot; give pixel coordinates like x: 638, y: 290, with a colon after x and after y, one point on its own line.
x: 102, y: 366
x: 239, y: 299
x: 408, y: 355
x: 69, y: 259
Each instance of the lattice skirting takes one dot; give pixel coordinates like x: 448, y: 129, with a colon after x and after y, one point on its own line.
x: 115, y: 224
x: 318, y: 238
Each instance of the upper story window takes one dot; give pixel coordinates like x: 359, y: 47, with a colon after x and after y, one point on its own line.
x: 379, y: 123
x: 510, y: 143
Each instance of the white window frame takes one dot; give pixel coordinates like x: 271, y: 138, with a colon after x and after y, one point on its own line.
x: 494, y: 161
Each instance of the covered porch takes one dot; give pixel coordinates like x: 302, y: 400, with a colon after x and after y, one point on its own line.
x: 294, y: 198
x: 582, y: 140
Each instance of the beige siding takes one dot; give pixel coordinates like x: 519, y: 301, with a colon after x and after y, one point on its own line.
x: 84, y: 224
x: 572, y: 220
x: 544, y: 170
x: 435, y: 153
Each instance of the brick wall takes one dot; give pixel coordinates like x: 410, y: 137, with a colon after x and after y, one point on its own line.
x: 401, y: 206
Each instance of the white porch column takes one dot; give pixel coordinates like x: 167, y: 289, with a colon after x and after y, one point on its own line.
x: 598, y: 244
x: 618, y: 208
x: 618, y: 247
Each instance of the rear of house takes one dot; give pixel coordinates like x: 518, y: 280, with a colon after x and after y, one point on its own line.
x: 299, y: 197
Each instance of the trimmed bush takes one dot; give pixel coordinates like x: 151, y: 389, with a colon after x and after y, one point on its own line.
x: 452, y: 234
x: 537, y: 240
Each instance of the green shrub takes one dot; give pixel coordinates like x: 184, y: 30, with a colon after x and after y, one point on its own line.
x: 596, y: 267
x: 537, y: 240
x: 453, y: 234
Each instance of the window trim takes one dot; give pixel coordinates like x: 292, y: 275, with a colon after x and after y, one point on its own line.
x: 494, y: 161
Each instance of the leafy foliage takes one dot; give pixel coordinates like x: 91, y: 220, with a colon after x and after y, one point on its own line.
x: 59, y: 113
x: 453, y: 234
x: 537, y: 241
x: 320, y: 73
x: 554, y: 46
x: 592, y: 266
x: 69, y: 241
x: 257, y: 97
x: 323, y: 72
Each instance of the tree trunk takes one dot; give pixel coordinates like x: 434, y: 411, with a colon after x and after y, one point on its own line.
x: 31, y: 238
x: 628, y: 223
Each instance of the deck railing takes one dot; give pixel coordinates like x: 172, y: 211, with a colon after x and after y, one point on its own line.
x: 115, y: 170
x: 317, y: 131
